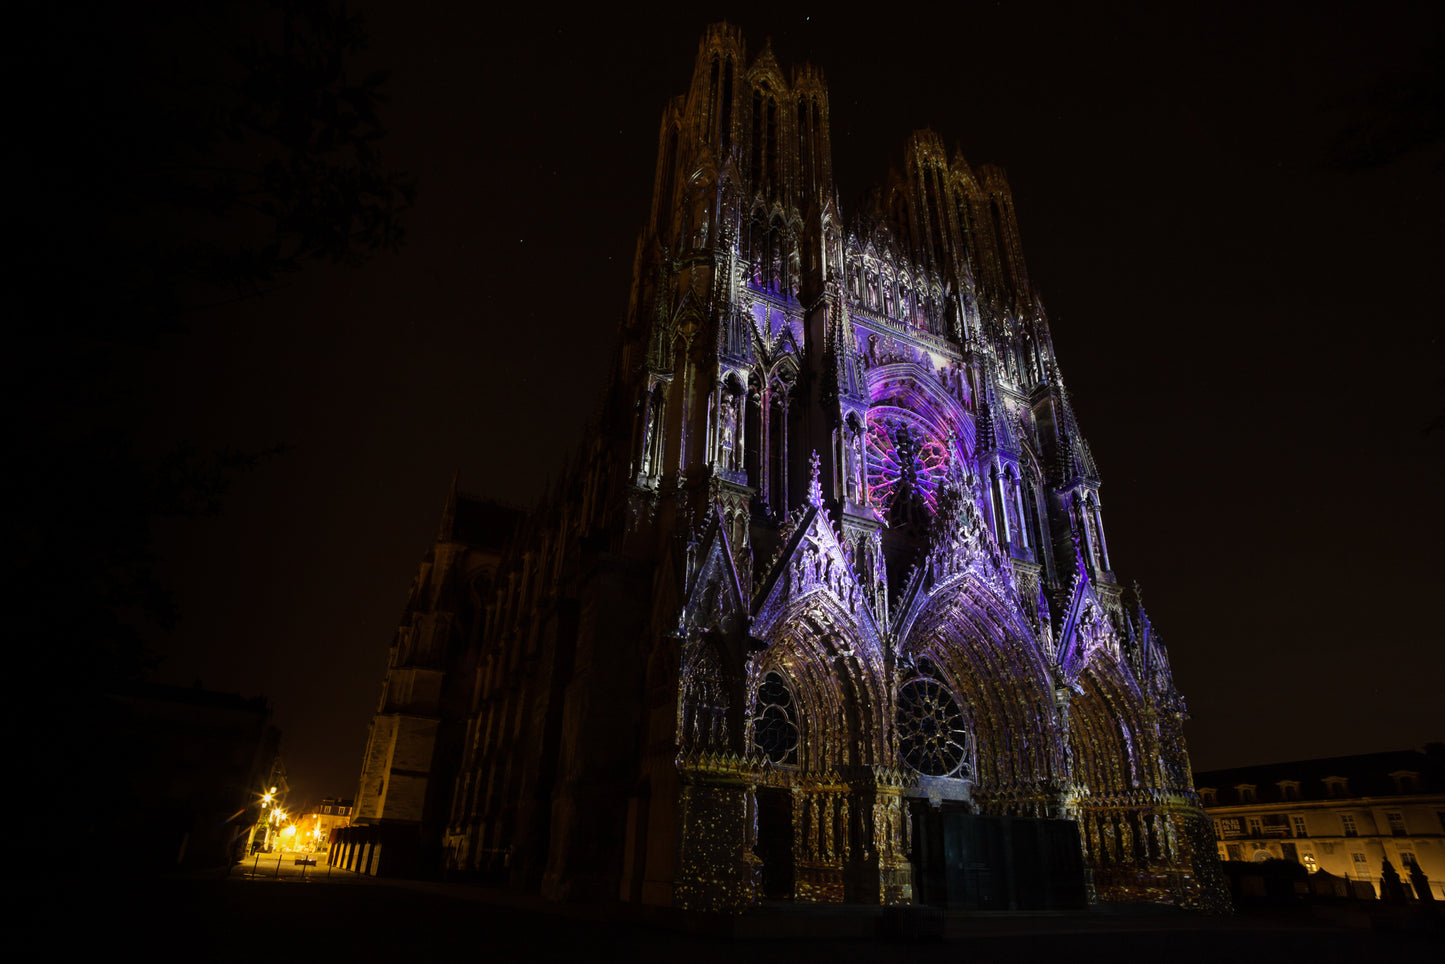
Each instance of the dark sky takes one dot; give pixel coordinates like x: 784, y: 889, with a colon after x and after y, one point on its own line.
x: 1251, y: 337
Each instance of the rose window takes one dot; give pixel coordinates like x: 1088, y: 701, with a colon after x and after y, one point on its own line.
x: 932, y: 733
x: 905, y: 466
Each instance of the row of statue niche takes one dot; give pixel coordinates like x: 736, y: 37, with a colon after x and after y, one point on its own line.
x: 877, y: 291
x: 827, y: 819
x: 730, y: 420
x: 1111, y: 837
x: 773, y: 268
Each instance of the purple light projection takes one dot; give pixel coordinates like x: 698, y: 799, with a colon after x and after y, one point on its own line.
x: 904, y: 462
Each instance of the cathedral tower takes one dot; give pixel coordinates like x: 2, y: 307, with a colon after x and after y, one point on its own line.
x: 827, y: 597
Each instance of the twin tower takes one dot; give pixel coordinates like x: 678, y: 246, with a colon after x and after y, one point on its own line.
x: 824, y: 610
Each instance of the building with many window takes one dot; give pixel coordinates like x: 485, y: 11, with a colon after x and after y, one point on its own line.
x: 317, y: 824
x: 1345, y: 815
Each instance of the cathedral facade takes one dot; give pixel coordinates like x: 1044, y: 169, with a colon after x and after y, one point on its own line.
x: 824, y: 610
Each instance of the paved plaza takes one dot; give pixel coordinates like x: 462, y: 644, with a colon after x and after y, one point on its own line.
x: 253, y: 914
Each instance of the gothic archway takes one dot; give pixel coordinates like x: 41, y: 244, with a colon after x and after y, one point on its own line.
x: 821, y: 716
x: 995, y: 670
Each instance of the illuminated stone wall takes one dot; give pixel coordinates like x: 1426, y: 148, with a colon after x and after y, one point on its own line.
x: 413, y: 743
x: 832, y: 561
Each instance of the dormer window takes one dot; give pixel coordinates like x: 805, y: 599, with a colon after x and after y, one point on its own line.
x: 1289, y: 789
x: 1246, y: 793
x: 1406, y: 781
x: 1208, y: 796
x: 1337, y: 787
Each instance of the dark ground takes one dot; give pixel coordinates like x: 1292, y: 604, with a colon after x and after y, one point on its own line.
x: 349, y: 919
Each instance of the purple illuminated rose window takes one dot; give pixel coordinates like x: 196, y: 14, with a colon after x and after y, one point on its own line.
x: 904, y: 466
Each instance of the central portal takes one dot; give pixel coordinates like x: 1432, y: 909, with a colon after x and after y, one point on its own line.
x: 965, y: 861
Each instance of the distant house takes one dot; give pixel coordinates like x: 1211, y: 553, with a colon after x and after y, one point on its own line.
x: 1345, y: 815
x: 316, y: 825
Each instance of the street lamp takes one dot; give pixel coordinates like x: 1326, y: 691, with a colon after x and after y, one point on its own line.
x: 267, y: 800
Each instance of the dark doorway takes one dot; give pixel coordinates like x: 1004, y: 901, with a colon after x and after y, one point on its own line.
x: 971, y: 862
x: 775, y: 841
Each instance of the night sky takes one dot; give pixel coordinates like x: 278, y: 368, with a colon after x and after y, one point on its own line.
x: 1250, y: 335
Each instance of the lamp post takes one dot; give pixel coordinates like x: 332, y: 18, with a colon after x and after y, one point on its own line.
x: 267, y: 800
x: 277, y: 816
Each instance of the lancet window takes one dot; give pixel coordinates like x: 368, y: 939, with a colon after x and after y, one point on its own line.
x: 1018, y: 501
x: 668, y: 188
x: 649, y: 448
x: 1101, y: 548
x: 774, y: 431
x: 777, y: 482
x: 720, y: 102
x: 1000, y: 513
x: 765, y: 154
x: 1036, y: 519
x: 775, y: 721
x: 753, y: 435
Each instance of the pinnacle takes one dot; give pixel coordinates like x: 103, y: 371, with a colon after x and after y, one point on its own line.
x: 765, y: 56
x: 815, y: 488
x: 449, y: 511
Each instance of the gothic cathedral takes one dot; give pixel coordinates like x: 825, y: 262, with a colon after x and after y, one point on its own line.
x: 824, y: 610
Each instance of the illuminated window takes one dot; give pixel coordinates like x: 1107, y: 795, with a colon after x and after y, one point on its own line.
x: 1347, y: 821
x: 1309, y: 861
x: 1299, y: 826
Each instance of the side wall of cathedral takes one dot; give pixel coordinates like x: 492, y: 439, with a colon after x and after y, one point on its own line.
x: 832, y: 564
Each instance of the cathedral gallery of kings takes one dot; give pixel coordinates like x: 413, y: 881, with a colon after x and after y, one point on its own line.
x: 823, y: 610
